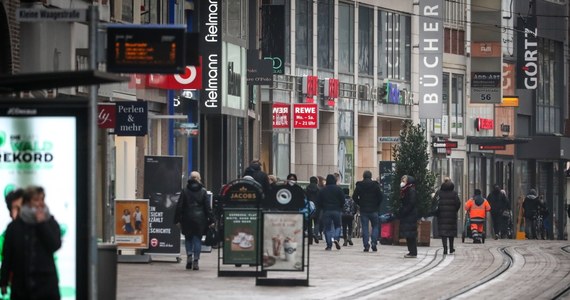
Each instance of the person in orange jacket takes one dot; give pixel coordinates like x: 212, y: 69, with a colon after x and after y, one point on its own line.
x: 477, y: 207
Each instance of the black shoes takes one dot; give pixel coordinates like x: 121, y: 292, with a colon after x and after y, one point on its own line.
x: 451, y: 251
x: 345, y: 243
x: 195, y: 266
x: 350, y: 242
x: 189, y: 262
x: 366, y: 249
x: 328, y: 249
x: 410, y: 256
x: 316, y: 239
x: 336, y: 244
x: 374, y: 248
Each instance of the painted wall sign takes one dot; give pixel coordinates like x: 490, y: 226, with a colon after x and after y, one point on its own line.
x: 431, y: 59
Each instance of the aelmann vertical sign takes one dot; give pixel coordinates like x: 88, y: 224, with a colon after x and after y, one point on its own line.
x: 431, y: 58
x: 211, y: 49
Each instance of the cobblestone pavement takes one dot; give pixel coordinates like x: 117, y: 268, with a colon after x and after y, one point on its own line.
x: 498, y: 269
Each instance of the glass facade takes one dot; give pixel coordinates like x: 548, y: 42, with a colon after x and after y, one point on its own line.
x: 304, y: 32
x: 345, y: 38
x: 365, y: 40
x: 394, y: 46
x: 550, y: 91
x: 325, y: 34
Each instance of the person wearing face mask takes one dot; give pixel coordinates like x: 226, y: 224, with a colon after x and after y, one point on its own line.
x: 28, y: 266
x: 408, y: 215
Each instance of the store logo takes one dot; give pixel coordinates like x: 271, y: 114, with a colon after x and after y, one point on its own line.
x: 26, y: 153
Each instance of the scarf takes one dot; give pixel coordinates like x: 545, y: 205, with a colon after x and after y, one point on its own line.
x: 28, y: 214
x: 405, y: 189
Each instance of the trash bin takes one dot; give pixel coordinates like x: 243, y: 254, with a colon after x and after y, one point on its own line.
x: 107, y: 271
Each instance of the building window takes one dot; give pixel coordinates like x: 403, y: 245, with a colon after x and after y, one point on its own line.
x: 550, y: 87
x: 325, y: 34
x: 304, y: 32
x: 365, y: 40
x: 236, y: 18
x: 457, y: 100
x: 345, y: 38
x: 394, y: 46
x: 454, y: 41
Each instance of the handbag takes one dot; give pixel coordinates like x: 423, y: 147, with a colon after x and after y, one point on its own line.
x: 435, y: 206
x: 211, y: 237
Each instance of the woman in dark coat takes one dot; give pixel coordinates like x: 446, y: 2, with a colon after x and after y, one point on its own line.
x: 31, y: 240
x: 194, y: 214
x: 448, y: 205
x: 408, y: 215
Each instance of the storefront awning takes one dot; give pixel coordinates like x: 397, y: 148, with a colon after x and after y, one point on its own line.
x: 545, y: 147
x: 496, y: 140
x: 51, y: 80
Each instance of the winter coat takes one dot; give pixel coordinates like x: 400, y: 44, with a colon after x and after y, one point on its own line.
x: 448, y: 206
x: 193, y: 210
x: 311, y: 191
x: 331, y: 197
x: 254, y: 170
x: 408, y: 213
x: 28, y: 255
x: 531, y: 204
x: 498, y: 202
x: 368, y: 196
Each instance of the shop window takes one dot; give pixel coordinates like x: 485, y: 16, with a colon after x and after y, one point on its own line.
x: 325, y: 34
x: 304, y: 32
x: 365, y: 40
x: 346, y: 38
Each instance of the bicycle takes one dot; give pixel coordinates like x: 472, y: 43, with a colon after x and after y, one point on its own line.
x: 539, y: 228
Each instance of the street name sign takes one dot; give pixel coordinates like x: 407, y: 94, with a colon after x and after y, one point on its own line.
x: 51, y: 15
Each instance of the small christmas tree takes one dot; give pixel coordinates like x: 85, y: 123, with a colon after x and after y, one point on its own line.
x: 411, y: 157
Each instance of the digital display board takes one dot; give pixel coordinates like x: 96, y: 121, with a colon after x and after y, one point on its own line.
x: 43, y: 144
x: 146, y: 49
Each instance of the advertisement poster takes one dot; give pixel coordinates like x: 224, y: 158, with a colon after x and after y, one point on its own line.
x: 131, y: 223
x: 240, y: 236
x: 283, y: 241
x: 42, y: 151
x: 162, y: 186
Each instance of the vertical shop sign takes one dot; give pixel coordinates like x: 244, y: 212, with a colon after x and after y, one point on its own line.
x: 211, y: 50
x: 431, y: 58
x: 527, y: 53
x: 273, y: 36
x: 162, y: 186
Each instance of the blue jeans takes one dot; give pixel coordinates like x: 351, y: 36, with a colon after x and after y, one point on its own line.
x: 193, y: 244
x: 333, y: 228
x: 371, y: 217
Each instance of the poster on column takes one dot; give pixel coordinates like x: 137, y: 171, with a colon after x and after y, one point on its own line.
x: 162, y: 186
x: 43, y: 145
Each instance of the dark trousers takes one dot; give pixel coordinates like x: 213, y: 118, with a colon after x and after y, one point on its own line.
x: 444, y: 242
x: 347, y: 227
x: 412, y: 246
x: 499, y: 224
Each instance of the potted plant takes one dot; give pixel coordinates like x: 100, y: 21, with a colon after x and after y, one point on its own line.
x: 411, y: 157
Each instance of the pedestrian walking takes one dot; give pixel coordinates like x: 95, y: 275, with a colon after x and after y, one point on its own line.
x: 477, y: 207
x: 28, y: 265
x: 254, y: 170
x: 311, y: 192
x: 499, y: 205
x: 448, y: 206
x: 348, y: 212
x: 408, y: 215
x: 194, y: 214
x: 368, y: 196
x: 330, y: 201
x: 531, y: 204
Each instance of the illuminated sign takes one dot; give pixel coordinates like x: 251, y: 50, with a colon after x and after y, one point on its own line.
x: 492, y: 147
x: 444, y: 144
x: 484, y: 124
x: 281, y: 115
x: 146, y: 49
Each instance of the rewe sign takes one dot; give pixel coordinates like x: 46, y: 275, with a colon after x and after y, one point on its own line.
x: 305, y: 116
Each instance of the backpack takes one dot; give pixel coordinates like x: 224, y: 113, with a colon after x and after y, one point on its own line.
x: 348, y: 208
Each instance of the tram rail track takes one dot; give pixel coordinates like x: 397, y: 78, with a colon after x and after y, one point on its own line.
x: 565, y: 292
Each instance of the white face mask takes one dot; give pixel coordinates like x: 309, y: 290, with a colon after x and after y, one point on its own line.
x: 402, y: 184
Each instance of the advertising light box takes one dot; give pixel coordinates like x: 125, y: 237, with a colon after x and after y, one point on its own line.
x: 44, y: 143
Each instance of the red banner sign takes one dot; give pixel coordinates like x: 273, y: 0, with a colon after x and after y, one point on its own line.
x: 281, y: 115
x: 106, y: 116
x: 305, y: 116
x: 190, y: 80
x: 484, y: 124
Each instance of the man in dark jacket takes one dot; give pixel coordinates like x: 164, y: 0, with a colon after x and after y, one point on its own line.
x: 531, y: 204
x: 311, y: 192
x: 254, y: 170
x: 330, y: 201
x: 194, y: 213
x: 368, y: 196
x: 408, y: 215
x: 499, y: 204
x: 31, y: 240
